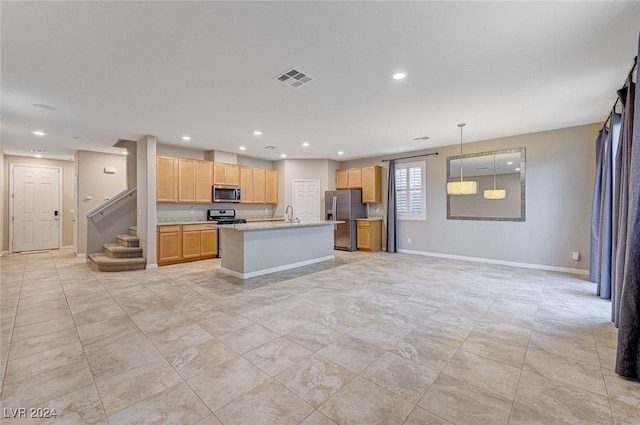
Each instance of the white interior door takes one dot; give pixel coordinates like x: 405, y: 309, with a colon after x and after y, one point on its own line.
x: 36, y: 207
x: 306, y: 200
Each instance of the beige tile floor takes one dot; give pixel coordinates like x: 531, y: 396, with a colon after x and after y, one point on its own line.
x: 365, y: 339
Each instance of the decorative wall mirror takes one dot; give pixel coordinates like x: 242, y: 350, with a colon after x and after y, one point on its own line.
x: 501, y: 187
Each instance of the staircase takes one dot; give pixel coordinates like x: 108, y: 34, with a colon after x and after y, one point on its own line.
x: 124, y: 255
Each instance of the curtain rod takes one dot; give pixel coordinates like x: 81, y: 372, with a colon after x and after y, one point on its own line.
x: 407, y: 157
x: 629, y: 78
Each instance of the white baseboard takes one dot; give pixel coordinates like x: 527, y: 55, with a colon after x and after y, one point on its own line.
x: 81, y: 255
x: 275, y: 269
x: 581, y: 272
x: 3, y: 252
x: 151, y: 266
x: 67, y: 247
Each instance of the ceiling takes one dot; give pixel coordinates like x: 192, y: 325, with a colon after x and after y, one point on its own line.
x: 121, y: 70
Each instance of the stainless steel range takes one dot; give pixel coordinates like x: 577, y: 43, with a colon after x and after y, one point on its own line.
x: 226, y: 216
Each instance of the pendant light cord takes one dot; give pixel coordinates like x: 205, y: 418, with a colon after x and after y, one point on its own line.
x: 461, y: 125
x: 494, y: 172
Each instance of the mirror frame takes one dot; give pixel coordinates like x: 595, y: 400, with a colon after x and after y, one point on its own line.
x: 522, y: 185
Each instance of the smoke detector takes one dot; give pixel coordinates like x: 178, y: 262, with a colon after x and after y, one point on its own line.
x: 294, y: 78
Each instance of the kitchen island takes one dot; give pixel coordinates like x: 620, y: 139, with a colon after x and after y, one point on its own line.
x: 255, y: 249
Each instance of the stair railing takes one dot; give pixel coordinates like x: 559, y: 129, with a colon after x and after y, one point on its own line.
x: 109, y: 219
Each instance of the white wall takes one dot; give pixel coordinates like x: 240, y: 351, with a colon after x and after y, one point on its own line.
x: 146, y: 199
x: 94, y: 183
x: 293, y: 169
x: 560, y: 172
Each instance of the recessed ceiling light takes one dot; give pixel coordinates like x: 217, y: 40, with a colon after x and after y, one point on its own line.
x: 186, y: 138
x: 257, y: 133
x: 340, y: 152
x: 125, y: 153
x: 305, y: 144
x: 39, y: 133
x: 283, y: 155
x: 518, y: 169
x: 399, y: 76
x: 43, y: 106
x: 37, y: 155
x: 243, y: 148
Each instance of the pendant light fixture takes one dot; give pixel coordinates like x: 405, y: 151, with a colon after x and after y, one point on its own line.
x: 462, y: 187
x: 494, y: 193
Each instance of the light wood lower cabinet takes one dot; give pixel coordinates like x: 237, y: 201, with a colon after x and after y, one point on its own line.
x: 169, y: 244
x: 189, y: 242
x: 369, y: 235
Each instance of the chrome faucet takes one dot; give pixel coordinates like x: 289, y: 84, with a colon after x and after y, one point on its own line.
x: 286, y: 211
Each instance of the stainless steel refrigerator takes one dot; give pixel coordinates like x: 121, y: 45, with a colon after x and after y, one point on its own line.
x: 344, y: 205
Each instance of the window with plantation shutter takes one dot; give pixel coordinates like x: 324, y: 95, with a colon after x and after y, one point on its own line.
x: 410, y: 191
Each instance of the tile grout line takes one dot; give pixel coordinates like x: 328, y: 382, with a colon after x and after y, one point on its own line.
x: 13, y: 327
x: 86, y: 359
x: 524, y: 360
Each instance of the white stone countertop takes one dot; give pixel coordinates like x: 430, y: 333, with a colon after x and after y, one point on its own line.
x: 249, y: 220
x: 369, y: 219
x: 274, y: 225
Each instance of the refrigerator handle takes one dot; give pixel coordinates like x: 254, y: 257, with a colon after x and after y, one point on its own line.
x: 335, y: 212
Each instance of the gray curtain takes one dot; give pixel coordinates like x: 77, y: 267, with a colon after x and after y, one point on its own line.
x: 597, y: 220
x: 621, y: 197
x: 391, y: 208
x: 628, y: 354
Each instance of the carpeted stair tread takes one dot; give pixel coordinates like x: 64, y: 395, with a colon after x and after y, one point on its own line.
x: 119, y: 251
x: 128, y: 240
x: 107, y: 263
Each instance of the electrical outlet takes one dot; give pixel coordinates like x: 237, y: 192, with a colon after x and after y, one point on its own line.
x: 575, y: 255
x: 408, y: 240
x: 377, y: 209
x: 193, y: 210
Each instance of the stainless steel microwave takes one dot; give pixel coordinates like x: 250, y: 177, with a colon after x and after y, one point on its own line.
x: 226, y: 194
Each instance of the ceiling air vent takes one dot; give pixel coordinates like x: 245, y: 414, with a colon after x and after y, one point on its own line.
x: 417, y: 139
x: 270, y: 147
x: 294, y: 78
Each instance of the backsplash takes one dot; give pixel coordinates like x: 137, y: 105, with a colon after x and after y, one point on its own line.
x: 198, y: 212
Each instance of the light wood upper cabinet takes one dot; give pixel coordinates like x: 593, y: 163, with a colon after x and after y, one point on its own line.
x: 189, y: 181
x: 369, y: 179
x: 246, y: 185
x: 203, y: 182
x: 342, y: 179
x: 186, y: 180
x: 166, y: 179
x: 355, y: 178
x: 219, y: 173
x: 232, y: 175
x: 271, y: 186
x: 228, y: 174
x: 259, y: 185
x: 372, y: 184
